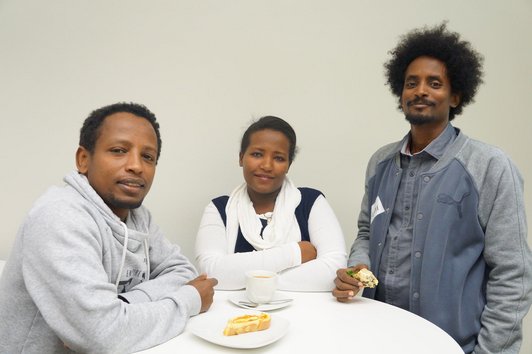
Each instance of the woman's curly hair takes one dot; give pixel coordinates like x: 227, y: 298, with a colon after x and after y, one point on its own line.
x: 463, y: 63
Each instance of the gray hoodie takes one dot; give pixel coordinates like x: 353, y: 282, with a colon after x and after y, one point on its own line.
x: 71, y: 259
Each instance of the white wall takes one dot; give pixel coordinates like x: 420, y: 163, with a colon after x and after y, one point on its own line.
x: 206, y: 68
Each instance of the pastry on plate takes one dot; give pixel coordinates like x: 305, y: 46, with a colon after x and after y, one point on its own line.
x: 247, y: 323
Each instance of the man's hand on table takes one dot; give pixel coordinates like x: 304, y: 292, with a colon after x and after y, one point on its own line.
x: 205, y: 287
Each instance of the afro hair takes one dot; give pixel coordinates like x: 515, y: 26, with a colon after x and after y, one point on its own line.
x: 463, y: 63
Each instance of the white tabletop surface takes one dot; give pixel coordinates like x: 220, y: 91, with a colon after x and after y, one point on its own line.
x: 320, y: 324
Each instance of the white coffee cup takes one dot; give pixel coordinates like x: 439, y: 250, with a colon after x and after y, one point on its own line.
x: 260, y: 285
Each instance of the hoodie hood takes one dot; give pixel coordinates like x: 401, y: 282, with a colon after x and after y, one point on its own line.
x: 137, y: 228
x: 132, y: 235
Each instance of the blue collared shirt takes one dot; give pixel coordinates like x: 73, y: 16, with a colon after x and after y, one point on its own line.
x: 395, y: 265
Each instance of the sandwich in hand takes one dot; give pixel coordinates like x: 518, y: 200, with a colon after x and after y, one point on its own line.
x: 365, y: 276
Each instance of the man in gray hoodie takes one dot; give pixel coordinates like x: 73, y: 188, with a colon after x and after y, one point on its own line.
x: 90, y: 271
x: 442, y: 223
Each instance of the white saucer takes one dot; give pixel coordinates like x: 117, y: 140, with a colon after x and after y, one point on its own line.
x: 241, y: 296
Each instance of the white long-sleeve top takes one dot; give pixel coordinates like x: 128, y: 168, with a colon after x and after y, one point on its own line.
x: 326, y: 236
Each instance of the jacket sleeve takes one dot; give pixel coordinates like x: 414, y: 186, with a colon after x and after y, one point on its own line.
x: 360, y: 248
x: 214, y: 257
x: 64, y: 275
x: 327, y: 237
x: 509, y: 260
x: 170, y: 269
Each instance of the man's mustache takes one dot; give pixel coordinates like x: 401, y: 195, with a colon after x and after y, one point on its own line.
x: 420, y: 101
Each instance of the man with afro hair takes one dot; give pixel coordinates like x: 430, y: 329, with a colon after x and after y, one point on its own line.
x: 442, y: 224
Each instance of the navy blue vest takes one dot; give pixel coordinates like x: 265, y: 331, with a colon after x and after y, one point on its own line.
x: 302, y: 212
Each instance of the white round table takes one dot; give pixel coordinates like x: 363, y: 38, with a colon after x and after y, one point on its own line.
x: 320, y: 324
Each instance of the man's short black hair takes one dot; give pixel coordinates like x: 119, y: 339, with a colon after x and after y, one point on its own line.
x: 463, y: 63
x: 91, y: 126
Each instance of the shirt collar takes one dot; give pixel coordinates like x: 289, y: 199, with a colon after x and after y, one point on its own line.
x: 437, y: 147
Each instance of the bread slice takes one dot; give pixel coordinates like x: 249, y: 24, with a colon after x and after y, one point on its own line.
x: 247, y: 323
x: 365, y: 276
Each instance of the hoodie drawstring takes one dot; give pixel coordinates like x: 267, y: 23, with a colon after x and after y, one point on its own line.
x: 123, y: 261
x: 123, y: 255
x: 147, y: 253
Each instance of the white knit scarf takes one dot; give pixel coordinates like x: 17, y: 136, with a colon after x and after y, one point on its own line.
x: 240, y: 212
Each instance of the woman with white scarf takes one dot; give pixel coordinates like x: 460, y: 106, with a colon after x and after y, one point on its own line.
x: 267, y: 223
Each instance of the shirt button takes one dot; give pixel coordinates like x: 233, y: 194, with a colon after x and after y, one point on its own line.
x: 407, y: 207
x: 418, y: 254
x: 419, y: 216
x: 426, y: 178
x: 379, y: 244
x: 391, y: 271
x: 412, y: 174
x: 416, y: 295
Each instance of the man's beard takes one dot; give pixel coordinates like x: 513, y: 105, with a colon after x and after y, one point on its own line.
x: 416, y: 119
x: 117, y: 203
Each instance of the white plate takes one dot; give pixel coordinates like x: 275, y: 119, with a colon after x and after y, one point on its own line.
x: 210, y: 326
x: 241, y: 296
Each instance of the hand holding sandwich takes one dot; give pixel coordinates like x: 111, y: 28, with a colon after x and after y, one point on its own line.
x: 347, y: 286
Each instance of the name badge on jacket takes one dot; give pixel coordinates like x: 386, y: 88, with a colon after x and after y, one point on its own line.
x: 376, y: 209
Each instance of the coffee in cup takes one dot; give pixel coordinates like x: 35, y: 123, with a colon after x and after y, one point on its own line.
x: 260, y: 285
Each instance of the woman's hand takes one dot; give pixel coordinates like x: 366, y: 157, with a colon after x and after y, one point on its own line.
x: 308, y: 251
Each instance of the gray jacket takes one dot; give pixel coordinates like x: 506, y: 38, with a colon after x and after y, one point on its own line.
x: 60, y: 286
x: 471, y: 267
